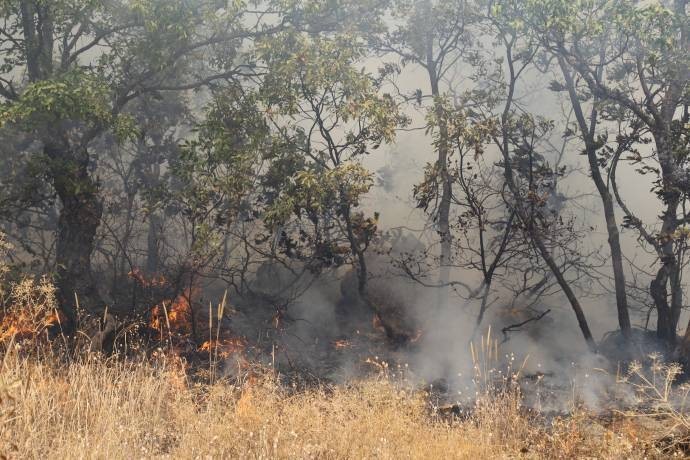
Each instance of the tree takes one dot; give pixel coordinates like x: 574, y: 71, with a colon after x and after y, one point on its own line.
x: 327, y: 115
x: 632, y: 58
x: 587, y: 126
x: 517, y: 139
x: 433, y: 36
x: 69, y: 70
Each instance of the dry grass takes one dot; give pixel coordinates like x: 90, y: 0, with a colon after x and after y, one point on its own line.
x: 95, y: 408
x: 87, y: 406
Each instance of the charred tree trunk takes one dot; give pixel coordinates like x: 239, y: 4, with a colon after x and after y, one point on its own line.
x: 669, y: 272
x: 565, y: 287
x: 667, y: 276
x: 659, y: 293
x: 357, y: 252
x: 78, y: 223
x: 617, y: 265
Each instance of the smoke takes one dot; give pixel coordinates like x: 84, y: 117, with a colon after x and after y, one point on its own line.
x: 333, y: 337
x: 302, y: 321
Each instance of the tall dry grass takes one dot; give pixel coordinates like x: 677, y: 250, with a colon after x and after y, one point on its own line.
x: 55, y: 404
x: 99, y: 408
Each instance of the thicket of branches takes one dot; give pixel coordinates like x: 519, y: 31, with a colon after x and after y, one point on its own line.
x: 209, y: 140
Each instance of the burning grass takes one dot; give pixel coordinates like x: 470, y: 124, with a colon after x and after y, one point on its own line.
x: 79, y: 404
x: 93, y: 407
x: 55, y: 404
x: 29, y: 310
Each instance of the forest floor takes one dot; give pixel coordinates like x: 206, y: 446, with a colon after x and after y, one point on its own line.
x: 156, y: 395
x: 159, y: 407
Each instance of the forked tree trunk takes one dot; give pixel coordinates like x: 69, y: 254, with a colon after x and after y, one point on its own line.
x: 78, y: 223
x: 668, y: 274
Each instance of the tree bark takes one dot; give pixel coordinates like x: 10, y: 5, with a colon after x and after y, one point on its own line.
x: 657, y: 289
x: 357, y: 252
x: 669, y: 272
x: 152, y: 243
x: 78, y: 223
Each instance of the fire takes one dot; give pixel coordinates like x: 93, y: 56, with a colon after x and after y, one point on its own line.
x: 341, y: 344
x: 22, y: 325
x: 54, y: 318
x: 177, y: 316
x: 226, y: 347
x: 145, y: 281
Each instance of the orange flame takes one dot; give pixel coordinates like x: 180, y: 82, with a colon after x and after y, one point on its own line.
x: 22, y: 325
x: 341, y: 344
x: 225, y: 347
x: 153, y: 281
x: 179, y: 315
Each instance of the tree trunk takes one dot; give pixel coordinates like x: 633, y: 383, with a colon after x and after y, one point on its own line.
x: 669, y: 273
x: 538, y: 241
x: 617, y: 265
x: 588, y: 132
x: 446, y: 185
x: 565, y: 287
x: 528, y: 222
x: 667, y: 315
x: 152, y: 243
x: 38, y: 32
x: 357, y: 252
x: 78, y: 223
x: 657, y: 289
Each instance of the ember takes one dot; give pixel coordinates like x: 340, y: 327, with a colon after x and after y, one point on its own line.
x: 147, y: 281
x: 225, y: 347
x: 341, y: 344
